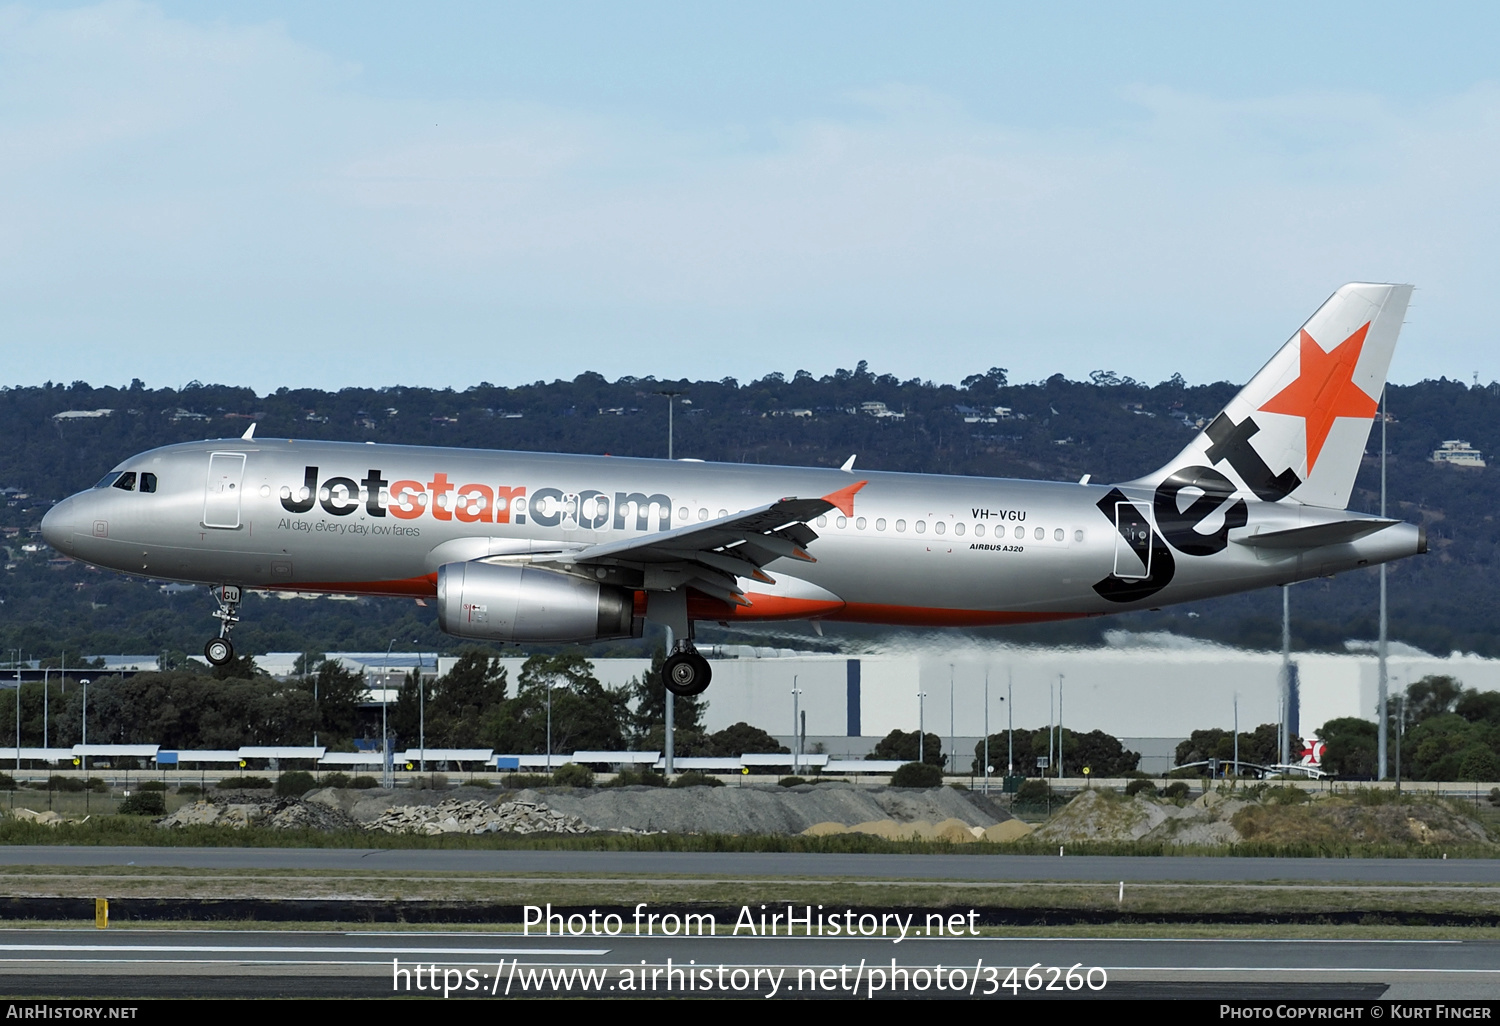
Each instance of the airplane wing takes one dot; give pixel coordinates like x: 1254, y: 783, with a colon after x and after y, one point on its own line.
x: 713, y: 555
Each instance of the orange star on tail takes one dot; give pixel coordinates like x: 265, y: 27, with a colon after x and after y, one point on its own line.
x: 1324, y: 390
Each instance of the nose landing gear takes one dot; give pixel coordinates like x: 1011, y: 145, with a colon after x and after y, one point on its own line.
x: 220, y: 650
x: 685, y: 672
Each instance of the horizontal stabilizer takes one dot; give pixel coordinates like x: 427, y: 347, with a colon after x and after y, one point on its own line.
x: 1317, y: 535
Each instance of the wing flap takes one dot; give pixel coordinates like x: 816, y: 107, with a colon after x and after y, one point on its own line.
x: 1316, y: 536
x: 729, y: 547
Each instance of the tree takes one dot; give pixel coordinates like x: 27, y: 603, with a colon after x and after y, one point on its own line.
x: 1352, y: 747
x: 585, y: 714
x: 339, y: 693
x: 904, y: 746
x: 740, y: 738
x: 1433, y: 695
x: 468, y: 704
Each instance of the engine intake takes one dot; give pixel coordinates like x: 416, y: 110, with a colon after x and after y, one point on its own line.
x: 523, y: 603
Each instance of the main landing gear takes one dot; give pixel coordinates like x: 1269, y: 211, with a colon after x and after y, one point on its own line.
x: 220, y: 650
x: 685, y: 672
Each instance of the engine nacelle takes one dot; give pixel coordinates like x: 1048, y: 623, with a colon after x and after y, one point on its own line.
x: 523, y: 603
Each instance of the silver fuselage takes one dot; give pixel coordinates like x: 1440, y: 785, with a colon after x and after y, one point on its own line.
x: 920, y: 549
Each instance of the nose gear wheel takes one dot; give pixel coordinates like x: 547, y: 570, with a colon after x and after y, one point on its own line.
x: 219, y: 651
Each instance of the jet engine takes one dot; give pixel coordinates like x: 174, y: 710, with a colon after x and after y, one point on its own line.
x: 491, y: 602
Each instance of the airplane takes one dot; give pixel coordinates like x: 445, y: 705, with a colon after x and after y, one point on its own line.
x: 532, y: 547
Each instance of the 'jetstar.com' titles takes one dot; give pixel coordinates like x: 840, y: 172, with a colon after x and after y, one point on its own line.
x: 475, y: 503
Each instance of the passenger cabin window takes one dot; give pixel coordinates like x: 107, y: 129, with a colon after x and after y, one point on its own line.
x: 126, y: 482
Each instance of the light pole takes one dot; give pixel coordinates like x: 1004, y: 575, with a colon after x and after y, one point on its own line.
x: 549, y: 724
x: 422, y: 716
x: 796, y: 736
x: 921, y: 725
x: 18, y: 715
x: 1059, y: 726
x: 669, y: 703
x: 385, y: 734
x: 986, y: 730
x: 1236, y: 736
x: 1382, y: 715
x: 85, y: 683
x: 1010, y: 726
x: 950, y: 718
x: 1286, y: 673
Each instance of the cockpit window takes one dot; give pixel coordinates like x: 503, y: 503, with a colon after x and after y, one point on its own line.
x: 126, y: 483
x: 108, y: 479
x: 148, y: 482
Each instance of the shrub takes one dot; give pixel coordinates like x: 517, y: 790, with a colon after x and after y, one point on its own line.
x: 1286, y: 794
x: 189, y: 789
x: 335, y: 780
x: 791, y: 781
x: 1495, y: 796
x: 7, y: 782
x: 696, y: 778
x: 96, y: 785
x: 294, y: 783
x: 918, y: 774
x: 520, y: 780
x: 244, y: 784
x: 1033, y: 792
x: 1140, y: 785
x: 570, y: 774
x: 153, y: 785
x: 958, y: 786
x: 145, y: 803
x: 645, y: 776
x: 1177, y: 789
x: 480, y: 783
x: 58, y: 782
x: 364, y: 783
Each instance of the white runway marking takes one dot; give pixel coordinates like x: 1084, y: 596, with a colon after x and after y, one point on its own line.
x: 247, y: 949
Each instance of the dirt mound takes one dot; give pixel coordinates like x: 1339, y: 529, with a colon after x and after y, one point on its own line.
x: 772, y: 810
x: 1264, y: 816
x: 943, y: 814
x: 261, y: 810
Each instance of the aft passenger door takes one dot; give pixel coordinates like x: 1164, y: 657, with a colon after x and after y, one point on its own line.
x: 1132, y: 542
x: 221, y: 501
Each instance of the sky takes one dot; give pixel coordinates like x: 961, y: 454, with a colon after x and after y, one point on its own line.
x: 342, y: 194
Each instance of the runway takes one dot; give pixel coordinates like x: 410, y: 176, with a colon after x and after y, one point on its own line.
x: 497, y: 965
x: 650, y: 865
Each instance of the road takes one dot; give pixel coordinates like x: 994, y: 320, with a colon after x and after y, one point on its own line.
x: 142, y: 963
x: 648, y: 865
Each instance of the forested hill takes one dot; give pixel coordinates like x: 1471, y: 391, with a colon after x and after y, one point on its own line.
x: 1109, y: 427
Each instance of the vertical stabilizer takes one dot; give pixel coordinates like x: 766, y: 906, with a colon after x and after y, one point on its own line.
x: 1297, y: 431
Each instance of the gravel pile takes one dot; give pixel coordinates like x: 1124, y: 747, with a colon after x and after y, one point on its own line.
x: 277, y: 813
x: 477, y: 817
x: 941, y: 813
x: 764, y: 809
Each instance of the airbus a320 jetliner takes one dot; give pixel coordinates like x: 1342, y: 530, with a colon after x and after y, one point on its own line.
x: 535, y: 547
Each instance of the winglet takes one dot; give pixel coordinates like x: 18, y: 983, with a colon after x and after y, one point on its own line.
x: 843, y: 499
x: 249, y: 432
x: 848, y: 466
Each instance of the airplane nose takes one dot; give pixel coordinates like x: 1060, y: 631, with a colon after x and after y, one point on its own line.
x: 58, y: 524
